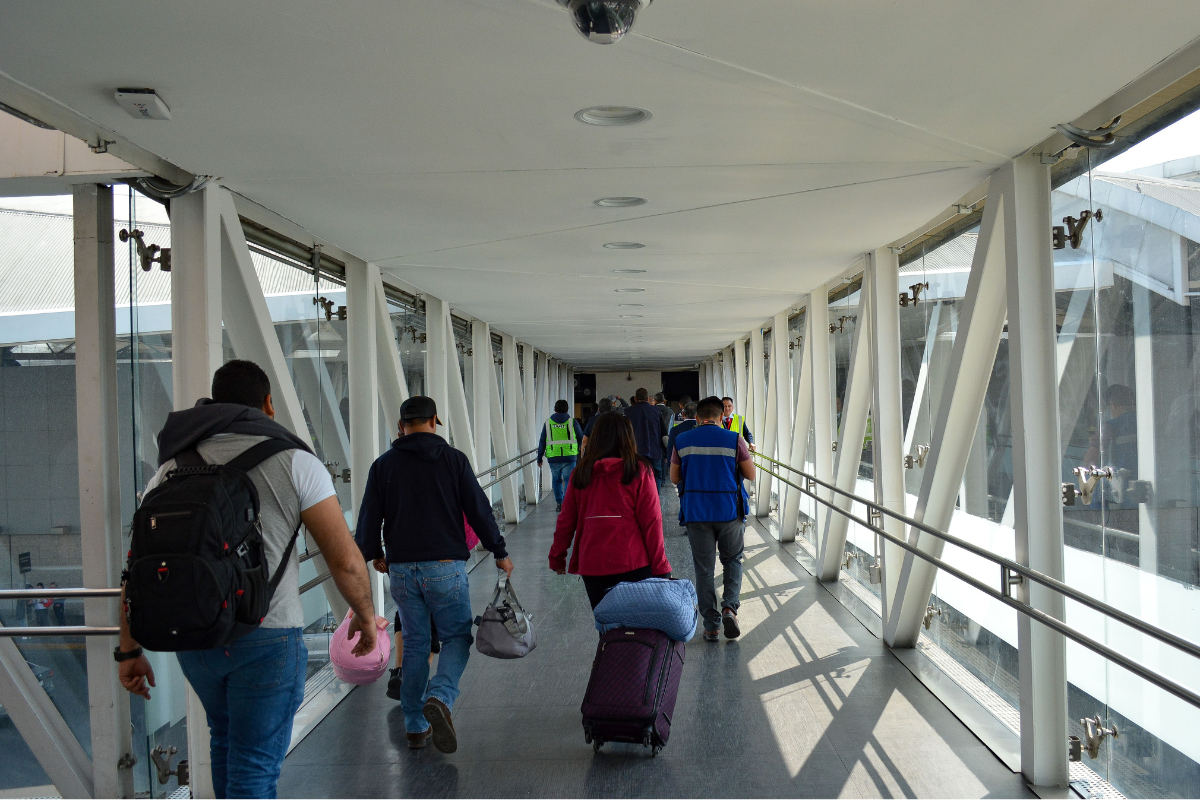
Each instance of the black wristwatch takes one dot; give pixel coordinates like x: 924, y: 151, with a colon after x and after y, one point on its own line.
x: 119, y: 656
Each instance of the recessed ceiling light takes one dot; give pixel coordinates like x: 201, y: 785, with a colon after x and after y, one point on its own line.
x: 624, y: 245
x: 629, y: 271
x: 631, y: 316
x: 612, y: 115
x: 630, y: 289
x: 620, y: 202
x: 629, y: 305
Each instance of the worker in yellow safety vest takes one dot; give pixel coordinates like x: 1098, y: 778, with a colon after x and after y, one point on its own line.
x: 559, y: 445
x: 735, y: 422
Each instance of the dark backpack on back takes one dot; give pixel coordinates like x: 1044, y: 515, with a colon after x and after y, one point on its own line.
x: 197, y: 575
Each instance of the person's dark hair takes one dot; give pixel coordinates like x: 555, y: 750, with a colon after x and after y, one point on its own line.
x: 687, y: 398
x: 612, y: 437
x: 1122, y: 396
x: 604, y: 405
x: 689, y: 410
x: 709, y: 408
x: 723, y: 399
x: 560, y: 406
x: 241, y: 382
x: 41, y: 585
x: 660, y: 398
x: 641, y: 395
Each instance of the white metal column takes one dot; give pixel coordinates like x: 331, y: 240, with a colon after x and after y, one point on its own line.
x: 363, y: 366
x: 702, y: 368
x: 543, y: 392
x: 508, y: 486
x: 757, y: 418
x: 822, y: 397
x: 458, y: 417
x: 781, y: 367
x: 527, y: 432
x: 856, y: 405
x: 727, y: 374
x: 511, y: 372
x: 715, y: 370
x: 99, y: 478
x: 482, y: 368
x: 981, y: 322
x: 882, y: 278
x: 196, y: 353
x: 740, y: 387
x: 437, y: 352
x: 393, y: 388
x: 801, y: 420
x: 1037, y: 462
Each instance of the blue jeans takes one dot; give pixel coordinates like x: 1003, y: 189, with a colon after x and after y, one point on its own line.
x: 439, y: 589
x: 561, y: 473
x: 251, y: 690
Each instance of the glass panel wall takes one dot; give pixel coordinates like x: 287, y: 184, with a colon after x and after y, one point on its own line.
x: 1127, y: 356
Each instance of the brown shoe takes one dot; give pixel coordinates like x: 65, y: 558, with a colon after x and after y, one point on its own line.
x: 444, y: 737
x: 418, y: 740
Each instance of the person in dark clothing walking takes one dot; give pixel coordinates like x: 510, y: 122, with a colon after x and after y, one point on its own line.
x: 688, y: 422
x: 663, y: 408
x: 560, y: 442
x: 648, y: 430
x: 418, y: 493
x: 602, y: 407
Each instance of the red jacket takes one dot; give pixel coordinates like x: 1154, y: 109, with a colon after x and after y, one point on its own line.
x: 614, y: 527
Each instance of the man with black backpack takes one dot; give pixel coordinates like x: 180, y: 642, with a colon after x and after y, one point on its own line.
x: 213, y: 573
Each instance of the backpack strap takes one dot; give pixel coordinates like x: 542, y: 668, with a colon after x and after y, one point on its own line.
x: 247, y: 461
x: 189, y: 458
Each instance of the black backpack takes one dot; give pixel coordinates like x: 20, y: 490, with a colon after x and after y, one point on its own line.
x: 197, y: 574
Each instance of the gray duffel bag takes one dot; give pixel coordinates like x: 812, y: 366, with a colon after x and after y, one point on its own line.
x: 505, y: 629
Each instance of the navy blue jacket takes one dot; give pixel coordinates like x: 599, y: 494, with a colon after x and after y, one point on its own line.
x: 418, y: 492
x: 648, y: 429
x: 679, y: 428
x: 563, y: 417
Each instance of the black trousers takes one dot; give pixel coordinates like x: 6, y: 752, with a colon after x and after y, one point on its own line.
x: 598, y: 585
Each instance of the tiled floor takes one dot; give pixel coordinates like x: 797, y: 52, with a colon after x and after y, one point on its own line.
x: 807, y: 703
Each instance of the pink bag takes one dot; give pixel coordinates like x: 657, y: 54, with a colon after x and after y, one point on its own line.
x: 360, y: 670
x: 472, y: 539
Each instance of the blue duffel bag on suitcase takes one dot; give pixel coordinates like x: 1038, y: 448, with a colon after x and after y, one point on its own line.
x: 665, y: 605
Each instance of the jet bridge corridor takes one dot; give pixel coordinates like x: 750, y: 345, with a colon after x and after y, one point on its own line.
x: 808, y: 702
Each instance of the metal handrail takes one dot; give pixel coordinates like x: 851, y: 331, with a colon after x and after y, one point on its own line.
x: 514, y: 471
x: 315, y: 582
x: 1163, y: 636
x: 67, y: 594
x: 1145, y: 673
x: 505, y: 463
x: 63, y: 630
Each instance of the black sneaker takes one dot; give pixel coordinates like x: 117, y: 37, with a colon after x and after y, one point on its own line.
x: 394, y: 682
x: 729, y: 620
x: 558, y: 508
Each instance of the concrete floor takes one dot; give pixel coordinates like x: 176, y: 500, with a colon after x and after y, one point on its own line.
x: 807, y: 703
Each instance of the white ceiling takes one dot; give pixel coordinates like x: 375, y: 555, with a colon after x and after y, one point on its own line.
x: 438, y: 140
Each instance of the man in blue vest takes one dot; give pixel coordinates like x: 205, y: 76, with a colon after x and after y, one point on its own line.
x: 710, y: 463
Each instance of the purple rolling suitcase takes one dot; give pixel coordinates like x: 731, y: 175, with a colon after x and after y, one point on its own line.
x: 631, y: 694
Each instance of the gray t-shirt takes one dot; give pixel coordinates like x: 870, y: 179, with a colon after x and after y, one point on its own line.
x: 287, y: 483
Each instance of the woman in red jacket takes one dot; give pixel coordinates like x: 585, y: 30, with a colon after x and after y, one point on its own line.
x: 610, y: 514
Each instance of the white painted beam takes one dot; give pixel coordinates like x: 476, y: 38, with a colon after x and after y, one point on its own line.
x: 801, y: 422
x: 527, y: 431
x: 822, y: 396
x: 99, y: 478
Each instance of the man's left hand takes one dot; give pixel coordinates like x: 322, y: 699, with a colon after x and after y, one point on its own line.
x: 380, y: 565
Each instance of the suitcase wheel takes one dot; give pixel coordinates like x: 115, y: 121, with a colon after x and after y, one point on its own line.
x: 596, y: 746
x: 587, y: 737
x: 654, y: 750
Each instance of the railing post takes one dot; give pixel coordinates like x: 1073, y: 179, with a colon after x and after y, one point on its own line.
x: 1037, y: 459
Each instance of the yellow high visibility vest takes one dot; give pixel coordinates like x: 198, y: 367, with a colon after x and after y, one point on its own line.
x: 736, y: 423
x: 560, y: 439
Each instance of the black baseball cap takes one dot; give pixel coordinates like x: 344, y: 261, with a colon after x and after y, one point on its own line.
x: 419, y: 407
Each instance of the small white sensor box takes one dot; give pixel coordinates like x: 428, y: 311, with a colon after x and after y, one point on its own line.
x: 143, y: 104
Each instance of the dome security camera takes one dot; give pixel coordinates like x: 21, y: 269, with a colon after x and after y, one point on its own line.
x: 603, y: 21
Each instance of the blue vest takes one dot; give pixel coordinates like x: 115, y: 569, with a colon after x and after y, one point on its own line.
x: 712, y: 489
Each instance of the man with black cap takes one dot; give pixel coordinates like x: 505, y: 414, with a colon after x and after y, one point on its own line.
x: 417, y: 493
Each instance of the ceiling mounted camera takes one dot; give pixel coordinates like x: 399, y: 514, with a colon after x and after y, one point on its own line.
x: 603, y: 21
